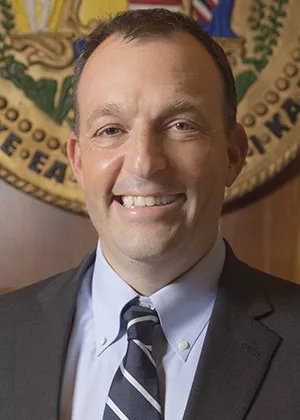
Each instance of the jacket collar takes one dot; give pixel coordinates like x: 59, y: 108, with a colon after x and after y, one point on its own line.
x: 42, y: 344
x: 238, y: 348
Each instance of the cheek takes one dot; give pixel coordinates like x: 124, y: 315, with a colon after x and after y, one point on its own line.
x: 202, y: 168
x: 100, y: 170
x: 193, y: 162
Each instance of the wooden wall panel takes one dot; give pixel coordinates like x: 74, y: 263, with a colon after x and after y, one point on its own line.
x: 37, y: 239
x: 265, y: 232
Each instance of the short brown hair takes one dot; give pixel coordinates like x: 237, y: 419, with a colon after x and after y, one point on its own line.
x: 155, y: 23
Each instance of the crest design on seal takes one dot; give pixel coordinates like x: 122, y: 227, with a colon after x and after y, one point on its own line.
x: 40, y: 39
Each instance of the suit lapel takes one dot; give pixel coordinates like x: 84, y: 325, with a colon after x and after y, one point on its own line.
x: 238, y: 348
x: 42, y: 344
x: 236, y: 355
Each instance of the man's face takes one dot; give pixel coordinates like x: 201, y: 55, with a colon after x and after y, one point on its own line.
x: 153, y: 158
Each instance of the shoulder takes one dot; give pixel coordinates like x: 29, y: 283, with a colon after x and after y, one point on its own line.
x: 250, y: 278
x: 22, y: 303
x: 282, y: 295
x: 278, y: 288
x: 256, y: 289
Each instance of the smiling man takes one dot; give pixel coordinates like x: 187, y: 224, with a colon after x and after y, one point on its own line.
x: 161, y: 320
x: 153, y: 153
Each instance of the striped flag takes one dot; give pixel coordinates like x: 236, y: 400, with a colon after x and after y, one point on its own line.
x: 204, y: 9
x: 173, y: 5
x: 213, y: 15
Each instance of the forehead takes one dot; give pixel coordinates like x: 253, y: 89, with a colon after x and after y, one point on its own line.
x: 159, y: 67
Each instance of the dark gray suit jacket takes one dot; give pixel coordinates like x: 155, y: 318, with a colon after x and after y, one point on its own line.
x: 249, y: 368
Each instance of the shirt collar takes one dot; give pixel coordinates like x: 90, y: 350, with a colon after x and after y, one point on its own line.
x: 184, y: 306
x: 109, y: 296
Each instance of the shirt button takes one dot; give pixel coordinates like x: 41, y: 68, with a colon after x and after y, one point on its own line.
x: 183, y: 345
x: 144, y: 304
x: 102, y: 341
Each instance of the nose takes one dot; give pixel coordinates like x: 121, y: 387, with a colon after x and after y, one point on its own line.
x: 145, y: 155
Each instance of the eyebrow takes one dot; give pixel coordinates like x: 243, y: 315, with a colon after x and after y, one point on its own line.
x: 190, y: 104
x: 108, y: 109
x: 182, y: 105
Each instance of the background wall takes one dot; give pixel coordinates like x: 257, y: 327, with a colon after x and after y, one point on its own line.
x: 39, y: 240
x: 265, y: 231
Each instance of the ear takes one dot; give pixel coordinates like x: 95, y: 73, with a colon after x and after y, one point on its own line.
x: 74, y: 155
x: 237, y: 147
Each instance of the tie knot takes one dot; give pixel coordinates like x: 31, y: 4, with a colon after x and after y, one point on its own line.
x: 140, y: 323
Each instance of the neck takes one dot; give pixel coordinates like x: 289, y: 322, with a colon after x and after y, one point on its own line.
x: 147, y: 277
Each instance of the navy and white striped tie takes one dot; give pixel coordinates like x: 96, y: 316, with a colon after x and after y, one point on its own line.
x: 134, y: 392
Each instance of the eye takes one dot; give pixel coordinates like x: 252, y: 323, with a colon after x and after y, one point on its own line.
x: 111, y: 131
x: 108, y: 131
x: 183, y: 126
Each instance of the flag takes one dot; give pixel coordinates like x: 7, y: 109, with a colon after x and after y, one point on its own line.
x: 173, y: 5
x: 204, y: 9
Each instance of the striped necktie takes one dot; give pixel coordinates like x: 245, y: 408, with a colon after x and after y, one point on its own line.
x: 134, y: 392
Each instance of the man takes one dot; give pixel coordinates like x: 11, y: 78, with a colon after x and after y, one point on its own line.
x: 161, y: 320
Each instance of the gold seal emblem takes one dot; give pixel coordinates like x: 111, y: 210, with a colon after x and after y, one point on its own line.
x: 40, y: 39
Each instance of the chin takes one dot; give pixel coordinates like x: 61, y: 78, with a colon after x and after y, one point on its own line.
x: 146, y: 249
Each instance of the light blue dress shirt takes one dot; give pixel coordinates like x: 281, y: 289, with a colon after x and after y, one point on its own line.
x: 98, y: 340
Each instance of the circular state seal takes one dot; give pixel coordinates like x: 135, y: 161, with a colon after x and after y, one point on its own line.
x: 40, y: 39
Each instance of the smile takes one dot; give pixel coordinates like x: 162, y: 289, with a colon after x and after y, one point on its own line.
x: 130, y: 201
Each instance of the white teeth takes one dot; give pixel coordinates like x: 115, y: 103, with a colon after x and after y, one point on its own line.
x: 150, y: 201
x: 140, y: 201
x: 127, y: 201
